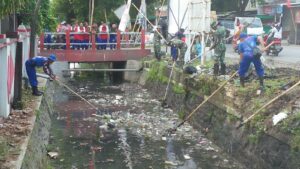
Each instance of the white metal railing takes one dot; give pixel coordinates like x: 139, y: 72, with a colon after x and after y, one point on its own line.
x: 58, y: 40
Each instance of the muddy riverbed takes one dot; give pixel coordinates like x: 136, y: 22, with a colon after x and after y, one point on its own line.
x: 128, y: 131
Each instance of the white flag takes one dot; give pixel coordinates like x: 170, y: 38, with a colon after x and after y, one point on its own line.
x: 119, y: 12
x: 125, y: 17
x: 142, y: 17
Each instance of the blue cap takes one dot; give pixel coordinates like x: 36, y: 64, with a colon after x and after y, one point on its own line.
x: 243, y: 35
x: 52, y: 58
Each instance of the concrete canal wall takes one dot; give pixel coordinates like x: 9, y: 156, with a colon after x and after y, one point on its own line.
x: 36, y: 152
x: 258, y: 144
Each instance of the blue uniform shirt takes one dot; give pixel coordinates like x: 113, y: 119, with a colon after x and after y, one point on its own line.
x: 37, y: 61
x: 246, y: 47
x: 40, y: 61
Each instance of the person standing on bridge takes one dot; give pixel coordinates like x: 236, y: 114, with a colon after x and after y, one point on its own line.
x: 113, y: 37
x: 39, y: 61
x: 103, y: 37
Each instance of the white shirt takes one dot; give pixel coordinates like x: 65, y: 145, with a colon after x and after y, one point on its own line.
x: 277, y: 33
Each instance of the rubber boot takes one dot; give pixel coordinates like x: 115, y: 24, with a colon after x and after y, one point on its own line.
x: 261, y: 83
x: 242, y: 81
x: 216, y: 69
x: 223, y: 69
x: 36, y: 92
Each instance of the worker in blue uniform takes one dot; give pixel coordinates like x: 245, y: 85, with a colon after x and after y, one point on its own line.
x: 39, y: 61
x: 247, y: 52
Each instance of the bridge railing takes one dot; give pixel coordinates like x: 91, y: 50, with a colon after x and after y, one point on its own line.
x: 94, y: 41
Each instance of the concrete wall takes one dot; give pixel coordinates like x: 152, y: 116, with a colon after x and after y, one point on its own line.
x: 218, y: 120
x: 36, y: 153
x: 8, y: 69
x: 133, y: 76
x: 7, y: 74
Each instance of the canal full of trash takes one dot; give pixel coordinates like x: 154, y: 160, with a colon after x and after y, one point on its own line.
x: 127, y: 131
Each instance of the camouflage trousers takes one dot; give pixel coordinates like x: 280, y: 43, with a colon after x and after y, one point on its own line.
x: 157, y: 50
x: 182, y: 49
x: 219, y: 56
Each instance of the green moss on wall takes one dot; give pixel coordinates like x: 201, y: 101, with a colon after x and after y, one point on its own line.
x: 178, y: 89
x: 4, y: 147
x: 156, y: 72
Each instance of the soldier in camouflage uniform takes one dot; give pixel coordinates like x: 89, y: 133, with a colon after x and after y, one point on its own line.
x: 157, y: 43
x: 219, y: 35
x: 179, y: 44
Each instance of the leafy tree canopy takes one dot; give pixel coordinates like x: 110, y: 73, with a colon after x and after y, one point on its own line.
x: 10, y: 6
x: 78, y: 10
x: 45, y: 18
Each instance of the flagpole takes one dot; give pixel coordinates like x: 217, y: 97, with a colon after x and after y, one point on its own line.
x: 149, y: 22
x: 92, y: 13
x: 159, y: 15
x: 135, y: 23
x: 105, y: 16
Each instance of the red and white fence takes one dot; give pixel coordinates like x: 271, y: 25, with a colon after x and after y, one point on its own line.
x: 65, y: 40
x: 8, y: 68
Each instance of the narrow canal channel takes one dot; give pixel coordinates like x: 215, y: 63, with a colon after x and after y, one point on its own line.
x: 128, y: 131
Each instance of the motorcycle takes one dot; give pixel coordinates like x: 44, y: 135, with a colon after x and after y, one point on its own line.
x: 276, y: 48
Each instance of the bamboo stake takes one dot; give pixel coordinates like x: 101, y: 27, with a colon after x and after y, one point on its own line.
x: 166, y: 92
x: 267, y: 104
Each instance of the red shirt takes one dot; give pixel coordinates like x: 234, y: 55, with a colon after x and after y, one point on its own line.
x: 103, y: 32
x: 79, y: 29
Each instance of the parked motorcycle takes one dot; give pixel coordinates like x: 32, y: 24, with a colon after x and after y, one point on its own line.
x: 276, y: 48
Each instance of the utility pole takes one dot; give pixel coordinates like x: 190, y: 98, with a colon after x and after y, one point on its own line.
x: 18, y: 76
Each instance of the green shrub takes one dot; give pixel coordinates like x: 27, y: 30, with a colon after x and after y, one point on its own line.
x: 178, y: 89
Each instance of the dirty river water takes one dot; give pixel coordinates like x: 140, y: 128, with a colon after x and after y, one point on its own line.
x: 128, y: 131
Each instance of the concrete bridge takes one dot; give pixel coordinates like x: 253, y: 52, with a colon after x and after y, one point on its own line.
x: 127, y: 46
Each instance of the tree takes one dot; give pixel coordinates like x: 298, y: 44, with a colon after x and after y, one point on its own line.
x: 45, y: 17
x: 10, y: 6
x: 78, y: 10
x: 230, y: 5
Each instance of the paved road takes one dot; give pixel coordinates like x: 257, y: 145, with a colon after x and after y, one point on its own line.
x: 289, y: 57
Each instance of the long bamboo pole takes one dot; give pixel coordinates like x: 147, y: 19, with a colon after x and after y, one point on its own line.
x: 67, y: 87
x: 206, y: 100
x: 170, y: 77
x: 267, y: 104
